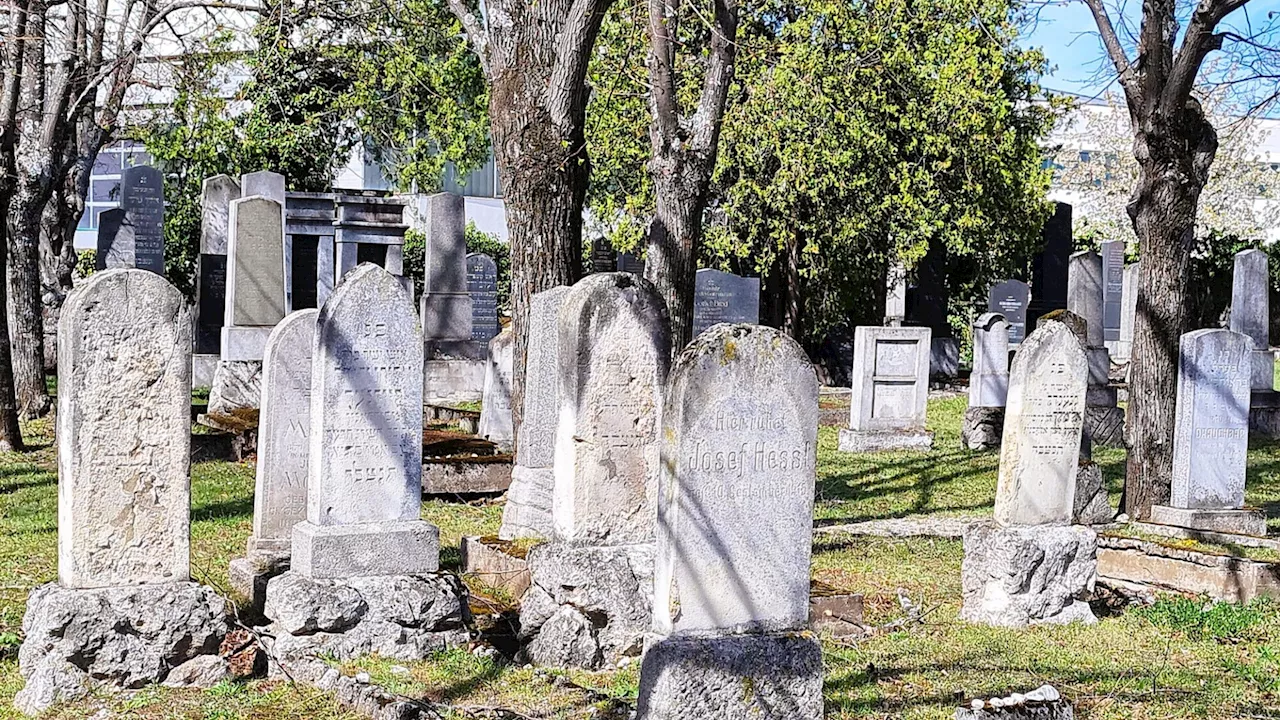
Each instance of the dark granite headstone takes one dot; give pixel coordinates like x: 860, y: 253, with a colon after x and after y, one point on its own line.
x: 212, y: 303
x: 928, y: 302
x: 630, y: 263
x: 142, y: 199
x: 1112, y: 289
x: 721, y: 297
x: 108, y: 255
x: 1010, y: 299
x: 602, y: 256
x: 482, y: 284
x: 1049, y: 267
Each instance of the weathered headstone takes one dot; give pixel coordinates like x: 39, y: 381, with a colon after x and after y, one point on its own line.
x: 1010, y: 299
x: 615, y: 348
x: 454, y: 367
x: 988, y: 383
x: 1251, y: 313
x: 271, y: 185
x: 1044, y: 419
x: 895, y: 295
x: 890, y: 390
x: 528, y: 509
x: 1128, y: 313
x: 1112, y: 290
x: 365, y: 481
x: 495, y: 409
x: 1211, y: 436
x: 255, y: 278
x: 1104, y: 421
x: 602, y: 256
x: 721, y: 297
x: 1085, y: 294
x: 1049, y: 267
x: 482, y: 284
x: 739, y: 443
x: 216, y: 195
x: 123, y: 467
x: 630, y: 263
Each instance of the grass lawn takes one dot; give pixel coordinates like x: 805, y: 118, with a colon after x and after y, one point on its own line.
x: 1178, y: 659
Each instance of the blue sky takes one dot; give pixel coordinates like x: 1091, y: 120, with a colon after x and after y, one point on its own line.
x: 1067, y: 34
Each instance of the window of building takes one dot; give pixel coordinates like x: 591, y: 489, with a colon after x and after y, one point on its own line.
x: 104, y: 179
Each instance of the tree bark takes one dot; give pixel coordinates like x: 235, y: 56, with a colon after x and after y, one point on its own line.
x: 10, y: 432
x: 1174, y: 155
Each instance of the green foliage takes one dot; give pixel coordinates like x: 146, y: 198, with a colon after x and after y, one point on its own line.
x: 478, y: 241
x: 1200, y: 619
x: 86, y: 261
x: 1212, y: 271
x: 856, y: 134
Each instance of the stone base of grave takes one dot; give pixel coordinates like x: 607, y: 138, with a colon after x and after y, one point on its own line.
x: 449, y: 381
x: 245, y: 343
x: 497, y: 563
x: 1104, y: 425
x: 1092, y: 506
x: 249, y: 575
x: 1262, y: 375
x: 237, y: 385
x: 1027, y: 575
x: 1143, y: 564
x: 1245, y: 521
x: 982, y: 428
x: 588, y: 606
x: 527, y: 513
x: 468, y: 421
x: 410, y: 547
x: 116, y: 638
x: 866, y: 441
x: 403, y: 617
x: 466, y: 476
x: 746, y: 677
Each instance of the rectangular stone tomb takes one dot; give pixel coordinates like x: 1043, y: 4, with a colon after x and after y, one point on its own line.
x: 890, y: 390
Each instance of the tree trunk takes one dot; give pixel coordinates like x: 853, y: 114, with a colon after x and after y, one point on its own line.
x: 10, y: 432
x: 674, y: 235
x: 1174, y: 155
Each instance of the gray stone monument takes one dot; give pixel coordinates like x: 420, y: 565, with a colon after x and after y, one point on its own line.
x: 280, y: 493
x: 482, y: 285
x: 255, y: 278
x: 495, y: 409
x: 134, y: 237
x: 983, y: 422
x: 1011, y: 299
x: 1031, y: 566
x: 890, y: 390
x: 216, y: 195
x: 1251, y: 314
x: 590, y: 597
x: 721, y: 297
x: 370, y: 229
x: 1104, y: 421
x: 528, y: 509
x: 123, y: 500
x: 1112, y: 291
x: 271, y: 185
x: 1128, y: 313
x: 454, y: 367
x: 362, y: 546
x: 739, y: 443
x: 1211, y: 436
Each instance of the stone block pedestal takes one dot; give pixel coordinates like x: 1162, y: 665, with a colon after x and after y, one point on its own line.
x: 1264, y: 413
x: 866, y: 441
x: 745, y: 677
x: 410, y: 547
x: 1104, y: 425
x: 241, y: 343
x: 1245, y: 521
x: 982, y: 428
x: 249, y: 575
x: 1027, y: 574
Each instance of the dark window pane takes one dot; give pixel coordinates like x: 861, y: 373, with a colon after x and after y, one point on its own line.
x: 108, y: 163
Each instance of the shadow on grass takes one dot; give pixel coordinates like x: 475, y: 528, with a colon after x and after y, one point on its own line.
x: 966, y: 477
x: 239, y: 508
x: 27, y: 477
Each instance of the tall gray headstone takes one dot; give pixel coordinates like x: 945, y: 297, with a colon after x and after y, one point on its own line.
x: 1128, y: 312
x: 124, y: 432
x: 482, y: 284
x: 280, y: 495
x: 1251, y: 313
x: 446, y: 304
x: 739, y: 444
x: 989, y: 381
x: 216, y: 194
x: 1112, y: 289
x: 1011, y: 299
x: 271, y: 185
x: 721, y: 297
x: 1085, y: 293
x: 890, y: 390
x: 364, y: 491
x: 528, y: 509
x: 1104, y: 421
x: 1043, y: 426
x: 615, y: 342
x: 255, y: 277
x: 495, y: 409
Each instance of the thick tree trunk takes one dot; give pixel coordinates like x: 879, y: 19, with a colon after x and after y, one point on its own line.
x: 674, y: 236
x: 1174, y: 156
x: 26, y: 320
x: 10, y: 432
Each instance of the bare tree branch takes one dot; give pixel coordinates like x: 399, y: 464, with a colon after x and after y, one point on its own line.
x: 1199, y: 41
x: 1124, y: 69
x: 719, y: 76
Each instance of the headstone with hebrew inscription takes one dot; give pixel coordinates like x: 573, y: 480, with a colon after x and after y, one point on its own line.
x: 1112, y: 252
x: 1044, y: 420
x: 721, y: 297
x: 482, y: 284
x: 1010, y: 299
x: 890, y: 390
x: 365, y: 484
x: 132, y: 236
x: 1211, y: 436
x: 255, y: 277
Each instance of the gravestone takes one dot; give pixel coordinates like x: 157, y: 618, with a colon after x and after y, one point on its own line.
x: 216, y: 194
x: 983, y: 422
x: 739, y: 444
x: 527, y: 512
x: 482, y: 284
x: 1031, y: 565
x: 133, y: 237
x: 280, y: 492
x: 1104, y: 421
x: 589, y: 601
x: 1010, y: 299
x: 890, y: 390
x: 1251, y: 314
x: 1085, y: 292
x: 454, y: 367
x: 255, y: 278
x: 721, y: 297
x: 602, y: 256
x: 370, y: 229
x: 1049, y: 267
x: 1112, y: 290
x: 110, y: 256
x: 1128, y: 313
x: 308, y: 231
x: 123, y: 613
x: 365, y: 481
x: 271, y: 185
x: 1044, y: 420
x: 1211, y: 436
x: 495, y: 410
x: 895, y: 295
x: 630, y: 263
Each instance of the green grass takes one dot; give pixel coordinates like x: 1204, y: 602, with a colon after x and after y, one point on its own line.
x: 1182, y: 658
